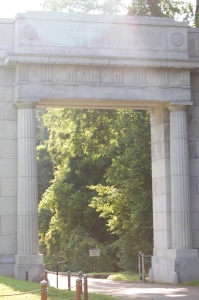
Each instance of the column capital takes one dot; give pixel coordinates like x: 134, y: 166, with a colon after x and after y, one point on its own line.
x: 22, y: 105
x: 177, y: 107
x: 180, y: 106
x: 28, y: 103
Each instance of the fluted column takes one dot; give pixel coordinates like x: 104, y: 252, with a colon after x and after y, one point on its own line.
x: 27, y: 219
x: 180, y: 190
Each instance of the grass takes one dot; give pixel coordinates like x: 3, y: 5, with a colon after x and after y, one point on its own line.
x: 125, y: 276
x: 191, y: 283
x: 10, y: 286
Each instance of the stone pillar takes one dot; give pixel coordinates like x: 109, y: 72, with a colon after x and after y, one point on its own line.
x: 27, y: 225
x: 27, y: 206
x: 177, y: 261
x: 180, y: 189
x: 160, y: 145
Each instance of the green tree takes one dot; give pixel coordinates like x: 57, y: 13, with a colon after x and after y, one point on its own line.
x: 125, y: 202
x: 110, y: 151
x: 162, y: 8
x: 64, y: 210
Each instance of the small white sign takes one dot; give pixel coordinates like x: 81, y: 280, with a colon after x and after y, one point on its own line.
x: 94, y: 252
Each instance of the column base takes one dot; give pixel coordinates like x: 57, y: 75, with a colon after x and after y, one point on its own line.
x: 33, y: 264
x: 183, y: 262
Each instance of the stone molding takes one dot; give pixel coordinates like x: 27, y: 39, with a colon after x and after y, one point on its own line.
x: 12, y: 59
x: 28, y: 259
x: 97, y: 18
x: 102, y: 75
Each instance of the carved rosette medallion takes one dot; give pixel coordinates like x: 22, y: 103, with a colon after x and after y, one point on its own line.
x: 177, y: 39
x: 30, y: 32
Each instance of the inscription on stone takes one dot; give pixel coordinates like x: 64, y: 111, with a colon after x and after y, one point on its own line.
x: 95, y: 35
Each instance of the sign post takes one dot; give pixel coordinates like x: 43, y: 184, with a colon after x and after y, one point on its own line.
x: 94, y: 252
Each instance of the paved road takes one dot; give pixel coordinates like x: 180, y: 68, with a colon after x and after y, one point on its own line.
x: 128, y: 291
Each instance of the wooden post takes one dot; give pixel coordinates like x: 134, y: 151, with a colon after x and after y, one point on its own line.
x: 43, y: 284
x: 139, y: 265
x: 46, y: 276
x: 143, y: 269
x: 26, y: 275
x: 78, y: 289
x: 80, y: 277
x: 80, y: 285
x: 69, y: 281
x: 57, y: 276
x: 85, y: 287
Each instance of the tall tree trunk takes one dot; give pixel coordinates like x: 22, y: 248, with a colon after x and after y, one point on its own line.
x: 197, y: 14
x: 154, y: 8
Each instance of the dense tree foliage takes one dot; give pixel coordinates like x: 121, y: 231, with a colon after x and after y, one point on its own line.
x: 66, y: 202
x: 125, y: 200
x: 162, y: 8
x: 102, y: 168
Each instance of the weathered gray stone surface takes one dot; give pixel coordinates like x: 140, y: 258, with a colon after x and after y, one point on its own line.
x: 90, y: 61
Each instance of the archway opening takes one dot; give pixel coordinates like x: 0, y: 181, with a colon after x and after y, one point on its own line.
x: 101, y: 189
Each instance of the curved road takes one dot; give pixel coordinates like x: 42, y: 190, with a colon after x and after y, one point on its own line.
x: 126, y: 291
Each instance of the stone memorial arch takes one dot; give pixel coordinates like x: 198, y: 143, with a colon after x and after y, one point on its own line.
x: 91, y: 61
